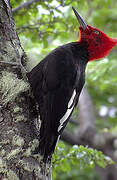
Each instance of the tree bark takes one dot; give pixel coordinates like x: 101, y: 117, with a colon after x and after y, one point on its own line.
x: 18, y: 117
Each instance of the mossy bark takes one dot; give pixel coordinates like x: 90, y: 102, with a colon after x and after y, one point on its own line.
x: 18, y: 131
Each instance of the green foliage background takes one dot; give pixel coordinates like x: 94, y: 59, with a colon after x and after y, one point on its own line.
x: 47, y: 24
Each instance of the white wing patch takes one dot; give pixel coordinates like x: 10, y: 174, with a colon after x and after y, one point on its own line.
x: 72, y: 99
x: 68, y: 112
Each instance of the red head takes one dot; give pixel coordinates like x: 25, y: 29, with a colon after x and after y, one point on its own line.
x: 96, y: 41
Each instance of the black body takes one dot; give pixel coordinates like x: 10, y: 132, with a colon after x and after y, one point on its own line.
x: 53, y: 81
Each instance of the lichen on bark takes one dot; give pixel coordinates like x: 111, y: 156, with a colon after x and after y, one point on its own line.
x: 11, y: 87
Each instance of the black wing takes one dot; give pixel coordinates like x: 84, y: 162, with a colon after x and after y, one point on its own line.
x: 56, y: 83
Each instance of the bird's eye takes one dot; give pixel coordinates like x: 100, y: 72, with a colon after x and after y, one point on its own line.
x: 96, y: 32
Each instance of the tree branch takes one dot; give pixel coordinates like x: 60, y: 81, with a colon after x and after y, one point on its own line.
x: 86, y: 112
x: 71, y: 120
x: 86, y: 134
x: 24, y: 5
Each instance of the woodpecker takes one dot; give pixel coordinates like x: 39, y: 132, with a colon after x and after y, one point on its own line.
x: 58, y: 79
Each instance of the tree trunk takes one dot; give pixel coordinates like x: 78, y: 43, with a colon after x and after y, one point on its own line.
x: 18, y: 117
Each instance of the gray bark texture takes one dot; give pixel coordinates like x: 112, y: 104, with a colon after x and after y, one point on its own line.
x: 18, y: 131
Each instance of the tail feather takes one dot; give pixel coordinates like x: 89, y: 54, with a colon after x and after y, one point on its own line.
x: 47, y: 146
